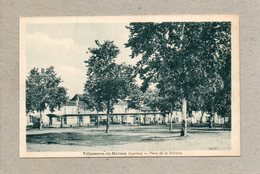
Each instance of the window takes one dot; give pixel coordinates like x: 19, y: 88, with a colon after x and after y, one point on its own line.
x: 58, y: 118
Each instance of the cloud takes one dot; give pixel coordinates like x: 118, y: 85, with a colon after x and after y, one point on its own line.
x: 73, y: 78
x: 64, y: 54
x: 65, y: 48
x: 42, y: 48
x: 45, y: 39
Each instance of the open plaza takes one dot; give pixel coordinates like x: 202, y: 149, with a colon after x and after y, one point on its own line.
x: 127, y: 138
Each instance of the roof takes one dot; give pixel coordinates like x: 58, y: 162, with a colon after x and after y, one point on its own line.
x: 81, y: 96
x: 73, y: 103
x: 82, y: 104
x: 104, y: 114
x: 70, y: 103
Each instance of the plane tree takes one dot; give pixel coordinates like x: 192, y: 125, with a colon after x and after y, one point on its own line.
x: 135, y: 97
x: 107, y: 81
x: 43, y: 91
x: 183, y: 58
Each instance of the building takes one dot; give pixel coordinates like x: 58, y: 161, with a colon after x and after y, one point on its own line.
x: 196, y: 117
x: 119, y: 106
x: 144, y: 115
x: 74, y: 106
x: 150, y: 117
x: 53, y: 119
x: 121, y: 114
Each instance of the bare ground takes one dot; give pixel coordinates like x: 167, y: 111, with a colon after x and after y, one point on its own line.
x: 127, y: 138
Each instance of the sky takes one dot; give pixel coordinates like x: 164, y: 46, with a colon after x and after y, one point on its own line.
x: 64, y: 47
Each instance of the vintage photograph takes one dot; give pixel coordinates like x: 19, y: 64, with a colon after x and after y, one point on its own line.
x: 129, y: 86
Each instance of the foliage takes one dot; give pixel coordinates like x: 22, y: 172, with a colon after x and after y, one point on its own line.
x: 43, y: 90
x: 107, y: 81
x: 135, y: 97
x: 187, y: 60
x: 93, y: 102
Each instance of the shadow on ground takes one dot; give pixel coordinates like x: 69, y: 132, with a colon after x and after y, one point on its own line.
x: 68, y: 138
x: 92, y: 137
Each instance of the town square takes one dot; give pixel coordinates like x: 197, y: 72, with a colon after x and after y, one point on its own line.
x: 135, y: 85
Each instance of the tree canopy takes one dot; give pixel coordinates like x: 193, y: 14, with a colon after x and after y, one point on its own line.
x: 107, y: 81
x: 187, y: 60
x: 43, y: 90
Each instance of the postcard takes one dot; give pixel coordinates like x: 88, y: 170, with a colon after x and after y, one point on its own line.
x: 129, y: 86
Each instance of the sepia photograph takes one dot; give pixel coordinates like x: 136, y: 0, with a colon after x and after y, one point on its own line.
x: 129, y: 86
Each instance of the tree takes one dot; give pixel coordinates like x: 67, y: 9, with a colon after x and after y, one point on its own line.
x: 43, y: 91
x: 162, y: 100
x: 150, y: 98
x: 184, y: 59
x: 107, y: 81
x: 135, y: 97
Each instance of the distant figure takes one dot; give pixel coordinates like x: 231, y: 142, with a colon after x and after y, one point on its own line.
x: 183, y: 124
x: 183, y: 128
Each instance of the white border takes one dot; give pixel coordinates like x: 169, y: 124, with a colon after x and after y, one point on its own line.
x: 235, y: 96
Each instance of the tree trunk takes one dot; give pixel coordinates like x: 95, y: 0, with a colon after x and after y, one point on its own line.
x: 211, y: 120
x: 164, y: 120
x: 122, y: 120
x: 40, y: 125
x: 170, y: 119
x: 184, y: 117
x: 229, y: 123
x: 97, y: 120
x: 61, y: 123
x: 108, y: 108
x: 201, y: 118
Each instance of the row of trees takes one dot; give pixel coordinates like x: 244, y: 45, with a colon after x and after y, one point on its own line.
x: 189, y: 63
